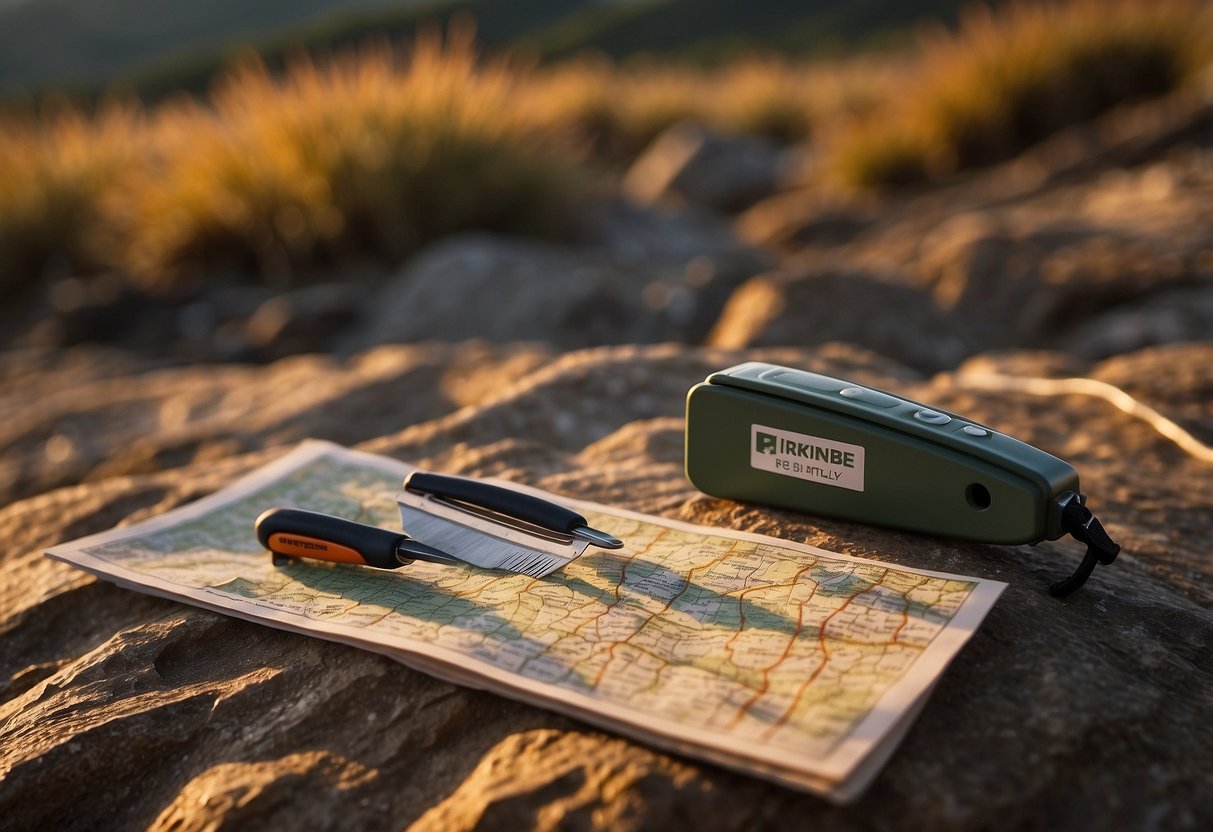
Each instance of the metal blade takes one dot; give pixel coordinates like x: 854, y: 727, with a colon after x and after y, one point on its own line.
x: 479, y: 540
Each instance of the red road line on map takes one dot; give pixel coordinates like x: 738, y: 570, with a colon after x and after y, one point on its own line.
x: 905, y: 613
x: 787, y: 649
x: 596, y: 620
x: 901, y: 644
x: 747, y: 591
x: 623, y: 571
x: 825, y: 658
x: 905, y: 619
x: 685, y: 586
x: 728, y: 645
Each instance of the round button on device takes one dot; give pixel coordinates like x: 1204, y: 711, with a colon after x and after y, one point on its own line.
x: 873, y: 397
x: 932, y: 417
x: 973, y: 430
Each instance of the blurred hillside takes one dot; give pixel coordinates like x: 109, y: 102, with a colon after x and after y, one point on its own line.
x: 155, y: 48
x: 335, y: 172
x: 82, y: 44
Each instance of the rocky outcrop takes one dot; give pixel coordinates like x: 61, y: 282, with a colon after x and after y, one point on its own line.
x: 646, y: 276
x: 869, y: 310
x: 700, y: 165
x: 133, y: 711
x: 1095, y: 243
x: 92, y: 414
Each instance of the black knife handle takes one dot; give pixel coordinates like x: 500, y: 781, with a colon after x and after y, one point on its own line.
x: 309, y: 534
x: 495, y: 498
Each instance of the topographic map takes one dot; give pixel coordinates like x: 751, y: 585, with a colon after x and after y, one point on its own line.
x: 772, y: 657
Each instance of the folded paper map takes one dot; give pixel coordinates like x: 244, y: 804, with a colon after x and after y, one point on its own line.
x: 774, y: 658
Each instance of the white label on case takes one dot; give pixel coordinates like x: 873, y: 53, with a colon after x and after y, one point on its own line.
x: 806, y: 457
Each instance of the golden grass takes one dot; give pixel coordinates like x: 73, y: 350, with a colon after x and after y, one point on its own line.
x: 619, y: 110
x: 366, y: 156
x: 371, y: 155
x: 57, y: 170
x: 1007, y: 79
x: 614, y: 112
x: 791, y: 102
x: 376, y: 154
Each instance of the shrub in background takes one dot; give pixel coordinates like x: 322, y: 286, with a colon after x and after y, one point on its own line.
x: 377, y: 154
x: 1008, y: 79
x: 372, y: 156
x: 616, y: 112
x: 620, y: 110
x: 56, y: 171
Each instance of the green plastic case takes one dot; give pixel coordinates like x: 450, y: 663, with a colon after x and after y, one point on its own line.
x: 799, y: 440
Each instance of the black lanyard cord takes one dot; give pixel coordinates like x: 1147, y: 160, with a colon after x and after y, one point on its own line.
x: 1079, y: 522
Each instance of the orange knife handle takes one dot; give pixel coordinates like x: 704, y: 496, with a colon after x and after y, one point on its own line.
x: 308, y: 534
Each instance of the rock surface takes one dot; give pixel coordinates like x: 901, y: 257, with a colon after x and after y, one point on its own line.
x: 1095, y: 243
x: 647, y: 276
x: 698, y: 164
x: 1091, y: 712
x: 862, y: 308
x: 1090, y: 255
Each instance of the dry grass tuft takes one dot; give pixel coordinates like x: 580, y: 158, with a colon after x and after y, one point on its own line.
x: 57, y: 170
x: 615, y: 112
x: 1008, y: 79
x: 620, y: 110
x: 369, y: 156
